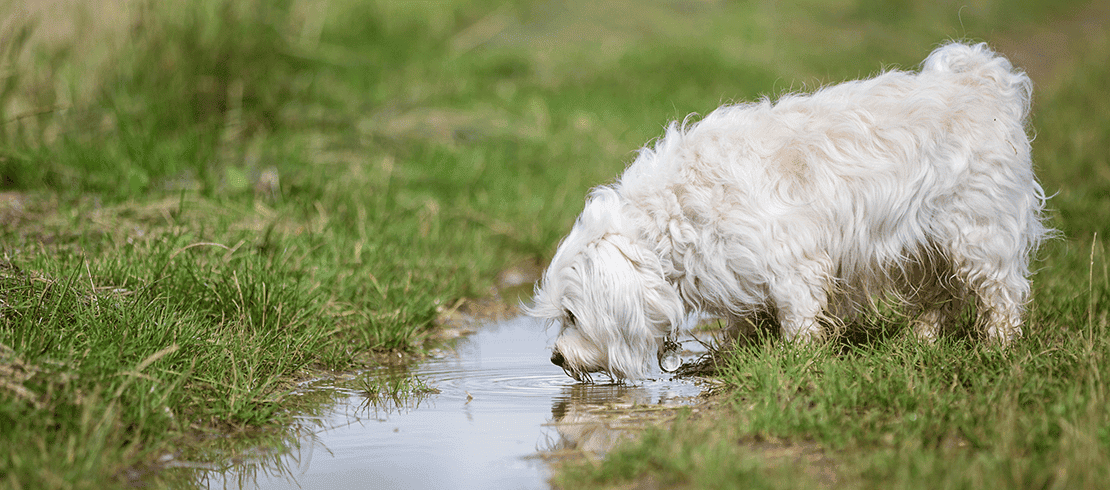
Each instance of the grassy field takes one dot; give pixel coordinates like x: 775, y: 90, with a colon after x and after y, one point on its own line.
x: 207, y: 203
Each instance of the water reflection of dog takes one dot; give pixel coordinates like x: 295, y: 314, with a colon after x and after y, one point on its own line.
x: 594, y: 417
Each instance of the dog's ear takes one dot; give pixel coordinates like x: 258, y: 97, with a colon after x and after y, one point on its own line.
x: 659, y: 301
x: 544, y: 306
x: 602, y: 214
x: 641, y: 257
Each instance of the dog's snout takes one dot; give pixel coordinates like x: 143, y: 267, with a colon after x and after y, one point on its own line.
x: 557, y: 358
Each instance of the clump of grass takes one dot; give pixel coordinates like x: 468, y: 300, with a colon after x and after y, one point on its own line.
x: 162, y: 339
x: 195, y: 291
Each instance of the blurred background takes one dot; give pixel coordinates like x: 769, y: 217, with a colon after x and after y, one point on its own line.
x: 505, y: 112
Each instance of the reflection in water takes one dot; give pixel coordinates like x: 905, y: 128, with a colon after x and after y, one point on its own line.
x: 593, y: 418
x: 391, y: 392
x: 498, y: 401
x: 578, y: 417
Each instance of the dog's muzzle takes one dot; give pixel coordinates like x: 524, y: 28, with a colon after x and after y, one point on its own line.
x: 578, y: 375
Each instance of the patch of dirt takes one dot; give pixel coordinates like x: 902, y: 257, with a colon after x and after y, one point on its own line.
x: 25, y: 211
x: 12, y: 206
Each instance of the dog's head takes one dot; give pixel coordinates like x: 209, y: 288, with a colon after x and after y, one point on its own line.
x: 608, y: 295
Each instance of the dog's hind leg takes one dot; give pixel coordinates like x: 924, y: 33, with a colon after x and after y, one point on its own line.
x: 995, y: 270
x: 800, y: 300
x: 935, y: 298
x: 936, y: 317
x: 1000, y: 309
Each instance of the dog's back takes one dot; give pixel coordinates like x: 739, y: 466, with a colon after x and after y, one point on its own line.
x: 906, y: 177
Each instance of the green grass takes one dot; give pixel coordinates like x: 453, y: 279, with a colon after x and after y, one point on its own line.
x: 213, y: 201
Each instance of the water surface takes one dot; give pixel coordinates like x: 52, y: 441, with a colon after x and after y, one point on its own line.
x: 501, y: 407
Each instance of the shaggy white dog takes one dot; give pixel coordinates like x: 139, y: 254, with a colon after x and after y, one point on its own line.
x: 912, y: 186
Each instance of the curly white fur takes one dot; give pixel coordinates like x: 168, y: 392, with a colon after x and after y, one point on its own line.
x: 917, y: 186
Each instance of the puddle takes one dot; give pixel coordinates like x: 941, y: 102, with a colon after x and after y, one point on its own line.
x: 501, y: 408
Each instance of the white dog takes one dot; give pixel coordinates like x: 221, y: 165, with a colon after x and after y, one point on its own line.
x: 916, y: 187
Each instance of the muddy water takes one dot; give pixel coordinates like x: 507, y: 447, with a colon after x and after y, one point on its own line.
x: 501, y: 410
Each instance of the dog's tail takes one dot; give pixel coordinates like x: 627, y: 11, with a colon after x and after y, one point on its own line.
x: 989, y: 67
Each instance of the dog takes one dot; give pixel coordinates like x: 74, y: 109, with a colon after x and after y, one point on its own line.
x: 811, y: 210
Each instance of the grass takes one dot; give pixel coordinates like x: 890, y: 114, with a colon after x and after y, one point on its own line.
x: 216, y: 200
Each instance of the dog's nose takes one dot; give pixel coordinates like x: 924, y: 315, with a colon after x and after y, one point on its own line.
x: 557, y: 358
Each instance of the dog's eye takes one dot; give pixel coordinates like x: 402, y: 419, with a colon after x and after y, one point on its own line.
x: 570, y: 318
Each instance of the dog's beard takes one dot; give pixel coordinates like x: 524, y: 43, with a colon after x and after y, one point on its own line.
x: 582, y: 358
x: 583, y: 376
x: 579, y: 358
